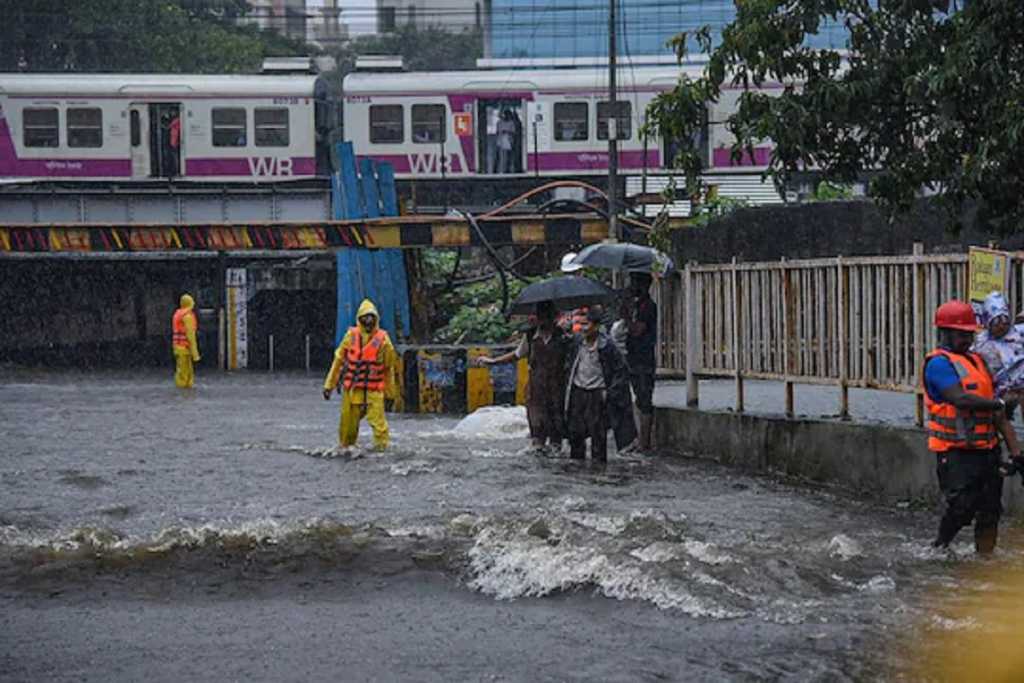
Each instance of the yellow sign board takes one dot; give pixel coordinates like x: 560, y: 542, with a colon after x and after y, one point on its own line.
x: 988, y: 271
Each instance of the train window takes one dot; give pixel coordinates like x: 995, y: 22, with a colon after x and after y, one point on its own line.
x: 41, y: 127
x: 386, y: 123
x: 623, y: 118
x: 229, y: 127
x: 428, y: 123
x: 271, y: 127
x: 571, y: 121
x: 85, y: 127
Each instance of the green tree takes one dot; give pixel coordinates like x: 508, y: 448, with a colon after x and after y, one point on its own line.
x: 929, y: 99
x: 422, y: 49
x: 184, y: 36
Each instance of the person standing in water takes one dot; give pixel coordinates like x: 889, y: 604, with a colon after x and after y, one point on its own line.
x: 183, y: 342
x: 546, y: 348
x: 364, y: 365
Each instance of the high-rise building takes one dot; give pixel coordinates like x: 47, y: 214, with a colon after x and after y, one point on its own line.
x: 287, y: 17
x: 453, y: 15
x: 542, y: 29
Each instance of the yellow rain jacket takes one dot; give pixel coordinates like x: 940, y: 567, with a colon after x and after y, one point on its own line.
x: 359, y: 401
x: 183, y: 341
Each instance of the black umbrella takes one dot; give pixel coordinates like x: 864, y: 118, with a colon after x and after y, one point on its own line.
x: 563, y: 292
x: 624, y: 256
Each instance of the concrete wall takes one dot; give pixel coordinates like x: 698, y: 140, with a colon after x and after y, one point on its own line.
x: 888, y: 464
x: 98, y: 313
x: 829, y: 229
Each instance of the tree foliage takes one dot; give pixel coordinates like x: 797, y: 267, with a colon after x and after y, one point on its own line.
x: 422, y: 49
x: 186, y: 36
x: 929, y: 98
x: 428, y: 48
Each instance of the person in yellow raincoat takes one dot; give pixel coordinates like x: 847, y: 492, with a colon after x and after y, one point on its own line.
x: 183, y: 341
x: 364, y: 364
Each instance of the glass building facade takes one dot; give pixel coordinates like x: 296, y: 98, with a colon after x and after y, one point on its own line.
x: 579, y: 28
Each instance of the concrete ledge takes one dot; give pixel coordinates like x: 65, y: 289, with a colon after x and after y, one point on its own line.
x: 881, y: 462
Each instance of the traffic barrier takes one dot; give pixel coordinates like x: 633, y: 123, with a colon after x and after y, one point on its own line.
x: 446, y: 379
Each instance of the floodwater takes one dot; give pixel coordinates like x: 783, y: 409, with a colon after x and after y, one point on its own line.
x: 152, y: 534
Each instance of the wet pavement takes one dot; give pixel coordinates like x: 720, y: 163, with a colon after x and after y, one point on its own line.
x: 149, y: 533
x: 762, y: 397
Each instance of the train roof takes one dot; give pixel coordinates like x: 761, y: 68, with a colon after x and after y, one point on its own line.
x: 514, y: 80
x: 155, y: 85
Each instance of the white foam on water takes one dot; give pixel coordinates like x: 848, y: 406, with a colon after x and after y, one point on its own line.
x: 525, y: 566
x: 490, y: 422
x: 707, y: 553
x: 431, y: 531
x: 844, y: 548
x: 404, y: 469
x: 465, y: 524
x: 573, y: 504
x: 259, y: 531
x: 878, y: 584
x: 659, y: 551
x: 947, y: 624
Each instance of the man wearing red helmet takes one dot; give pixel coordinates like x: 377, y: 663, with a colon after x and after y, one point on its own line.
x: 964, y: 421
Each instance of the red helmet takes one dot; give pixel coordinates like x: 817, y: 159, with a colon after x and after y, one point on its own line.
x: 956, y: 315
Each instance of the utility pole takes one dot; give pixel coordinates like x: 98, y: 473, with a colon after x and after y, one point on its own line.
x: 613, y: 144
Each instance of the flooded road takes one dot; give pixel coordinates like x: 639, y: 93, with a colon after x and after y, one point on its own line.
x: 151, y: 533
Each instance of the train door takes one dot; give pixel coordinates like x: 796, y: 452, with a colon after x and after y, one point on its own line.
x: 139, y: 122
x: 500, y: 139
x: 166, y: 139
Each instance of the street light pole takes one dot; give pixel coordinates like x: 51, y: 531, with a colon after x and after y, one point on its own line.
x: 613, y: 144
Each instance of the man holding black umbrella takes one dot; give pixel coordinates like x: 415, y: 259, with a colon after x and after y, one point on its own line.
x: 546, y: 348
x: 640, y: 345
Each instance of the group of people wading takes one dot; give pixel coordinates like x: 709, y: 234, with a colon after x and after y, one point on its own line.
x: 583, y: 383
x: 582, y: 380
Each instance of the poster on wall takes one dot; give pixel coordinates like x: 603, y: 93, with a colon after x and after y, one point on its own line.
x: 237, y: 290
x: 988, y: 271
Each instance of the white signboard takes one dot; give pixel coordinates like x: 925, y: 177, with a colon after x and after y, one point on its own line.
x: 238, y: 319
x: 537, y: 123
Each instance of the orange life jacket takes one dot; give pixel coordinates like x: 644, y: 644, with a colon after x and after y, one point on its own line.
x: 178, y: 335
x: 364, y: 368
x: 950, y: 427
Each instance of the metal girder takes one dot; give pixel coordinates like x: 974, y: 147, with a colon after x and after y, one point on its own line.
x: 408, y: 232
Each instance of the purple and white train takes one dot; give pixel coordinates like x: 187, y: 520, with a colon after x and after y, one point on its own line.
x: 547, y: 122
x: 143, y: 126
x: 458, y: 125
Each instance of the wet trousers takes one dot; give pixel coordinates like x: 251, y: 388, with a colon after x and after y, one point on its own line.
x: 588, y: 417
x: 623, y: 424
x: 184, y: 372
x: 352, y: 413
x: 973, y: 489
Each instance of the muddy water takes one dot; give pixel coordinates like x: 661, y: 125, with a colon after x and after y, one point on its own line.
x: 147, y: 533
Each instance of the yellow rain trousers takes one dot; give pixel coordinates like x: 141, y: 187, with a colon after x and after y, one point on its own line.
x: 185, y: 356
x: 357, y: 403
x: 352, y: 411
x: 184, y: 371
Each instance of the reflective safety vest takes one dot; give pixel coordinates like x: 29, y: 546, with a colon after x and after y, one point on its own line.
x: 179, y: 338
x: 950, y: 427
x: 364, y: 369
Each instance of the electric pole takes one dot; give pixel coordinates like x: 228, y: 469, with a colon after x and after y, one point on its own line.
x: 613, y: 143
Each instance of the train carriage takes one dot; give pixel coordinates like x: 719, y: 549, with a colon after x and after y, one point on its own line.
x: 550, y: 122
x: 106, y: 127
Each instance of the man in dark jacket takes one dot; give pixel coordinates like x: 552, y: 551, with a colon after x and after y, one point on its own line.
x: 545, y: 347
x: 598, y: 382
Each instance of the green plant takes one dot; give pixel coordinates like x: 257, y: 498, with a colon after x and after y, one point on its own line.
x: 832, y: 192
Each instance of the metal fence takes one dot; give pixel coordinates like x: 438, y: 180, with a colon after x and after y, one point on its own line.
x: 848, y: 322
